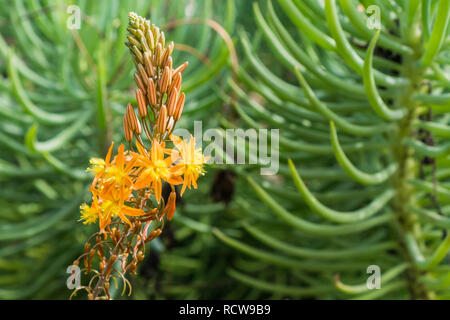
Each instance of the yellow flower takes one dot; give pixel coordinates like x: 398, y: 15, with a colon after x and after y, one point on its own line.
x: 88, y: 213
x: 190, y: 162
x: 101, y: 167
x: 97, y: 165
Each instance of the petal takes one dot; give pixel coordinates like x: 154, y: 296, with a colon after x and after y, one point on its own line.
x: 120, y: 158
x: 157, y: 187
x: 108, y: 155
x: 175, y: 180
x: 122, y: 216
x: 129, y: 211
x: 183, y: 187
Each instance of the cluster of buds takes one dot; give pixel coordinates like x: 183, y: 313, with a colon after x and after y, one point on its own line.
x: 127, y: 198
x: 159, y: 84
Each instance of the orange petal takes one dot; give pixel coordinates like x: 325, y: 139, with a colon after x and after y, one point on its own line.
x: 125, y: 219
x: 129, y: 211
x: 175, y: 180
x: 120, y: 159
x: 183, y: 187
x: 158, y: 187
x: 108, y: 155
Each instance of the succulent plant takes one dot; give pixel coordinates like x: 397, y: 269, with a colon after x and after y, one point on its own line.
x: 360, y: 93
x: 62, y: 92
x: 364, y: 122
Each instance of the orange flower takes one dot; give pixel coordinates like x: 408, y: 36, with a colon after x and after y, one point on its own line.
x: 110, y: 188
x: 113, y: 205
x: 117, y: 174
x: 190, y: 162
x: 155, y: 168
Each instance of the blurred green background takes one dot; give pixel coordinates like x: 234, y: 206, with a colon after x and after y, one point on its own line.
x: 63, y: 94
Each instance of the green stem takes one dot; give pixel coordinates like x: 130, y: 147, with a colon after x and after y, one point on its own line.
x: 407, y: 221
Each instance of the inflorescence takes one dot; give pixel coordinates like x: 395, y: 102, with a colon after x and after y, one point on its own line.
x: 127, y: 198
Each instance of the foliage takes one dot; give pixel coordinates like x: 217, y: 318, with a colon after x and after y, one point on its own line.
x: 364, y: 151
x: 63, y: 94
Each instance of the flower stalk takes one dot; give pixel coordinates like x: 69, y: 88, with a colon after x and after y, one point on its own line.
x: 127, y: 198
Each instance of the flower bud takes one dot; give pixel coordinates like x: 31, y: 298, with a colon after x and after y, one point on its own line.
x: 181, y: 68
x: 151, y: 94
x: 142, y: 103
x: 126, y: 130
x: 150, y: 40
x: 171, y: 100
x: 157, y: 55
x: 143, y: 74
x: 164, y: 83
x: 148, y: 64
x: 162, y: 119
x: 139, y: 82
x: 179, y: 107
x: 137, y: 54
